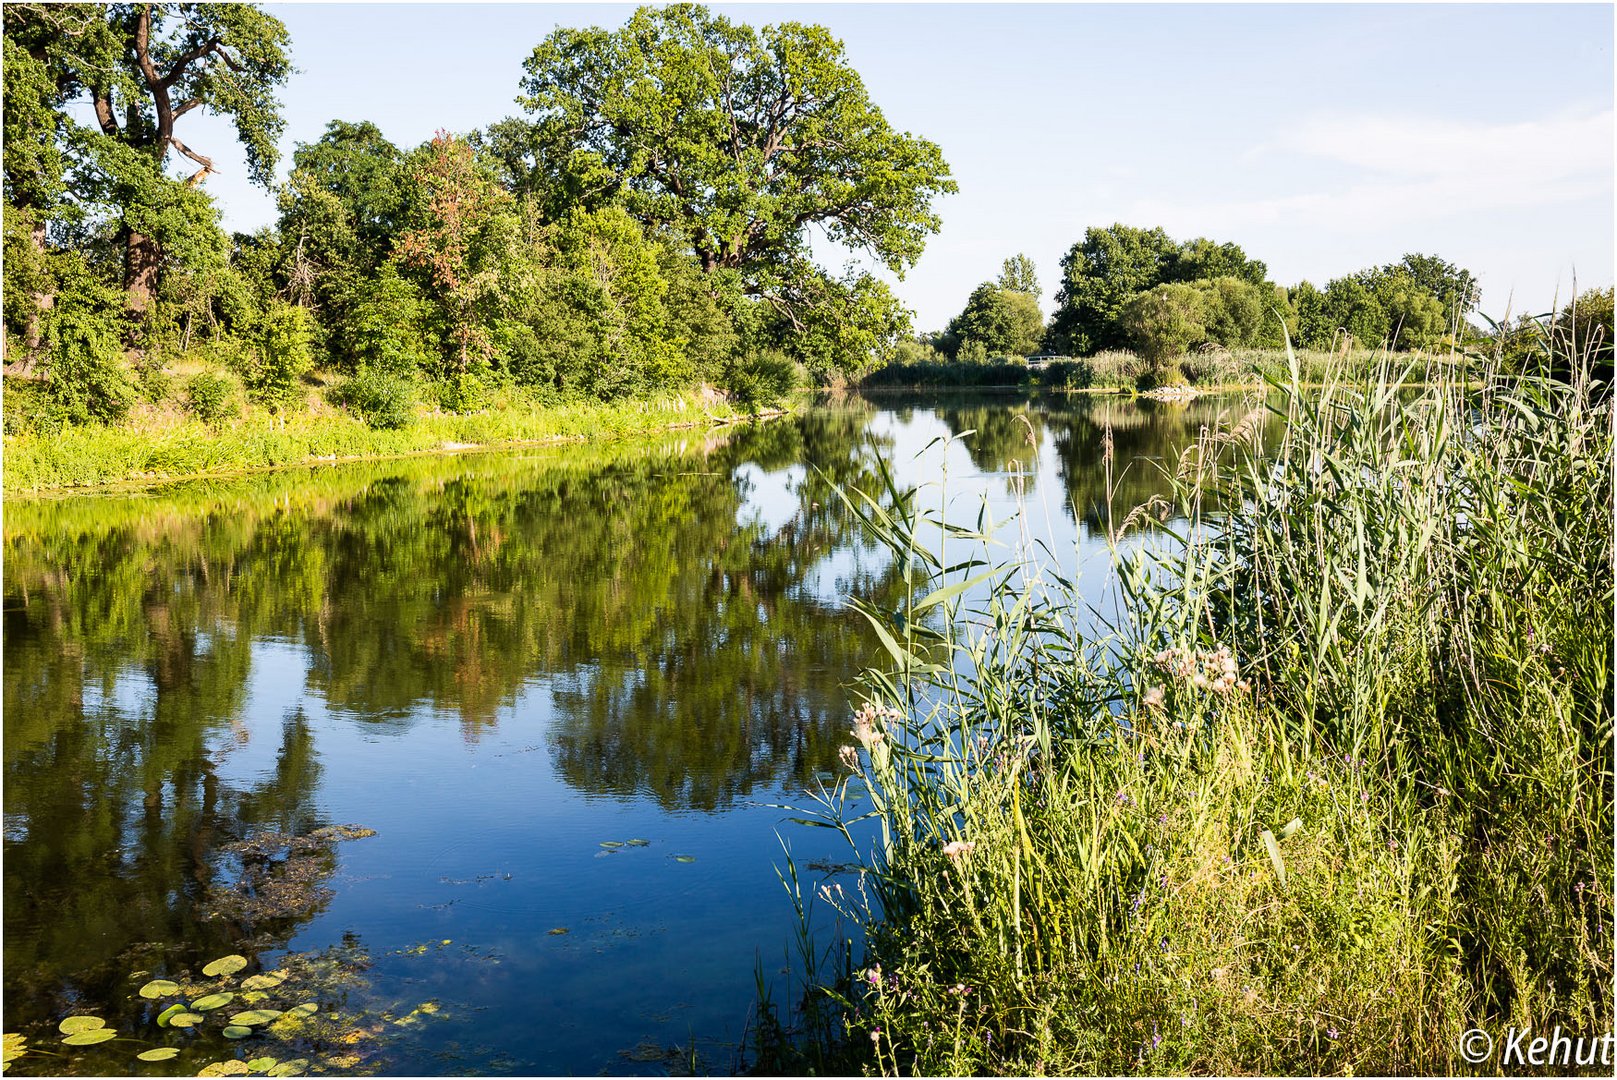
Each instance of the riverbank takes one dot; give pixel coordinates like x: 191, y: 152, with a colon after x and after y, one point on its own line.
x: 1335, y: 789
x: 167, y: 447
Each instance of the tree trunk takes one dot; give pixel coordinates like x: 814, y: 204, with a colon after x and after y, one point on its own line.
x: 140, y: 274
x: 34, y: 332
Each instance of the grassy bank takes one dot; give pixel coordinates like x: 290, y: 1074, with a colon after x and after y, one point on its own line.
x: 158, y: 445
x: 1335, y: 786
x: 1118, y: 370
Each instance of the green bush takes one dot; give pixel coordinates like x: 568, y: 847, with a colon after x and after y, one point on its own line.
x: 1066, y: 375
x: 30, y: 409
x: 281, y: 355
x: 1165, y: 321
x: 84, y: 372
x: 463, y: 392
x: 760, y: 380
x: 383, y: 400
x: 212, y: 397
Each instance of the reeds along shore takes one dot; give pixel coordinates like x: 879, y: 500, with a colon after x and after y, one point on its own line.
x: 1334, y: 786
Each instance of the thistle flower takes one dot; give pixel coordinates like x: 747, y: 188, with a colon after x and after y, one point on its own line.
x: 957, y: 849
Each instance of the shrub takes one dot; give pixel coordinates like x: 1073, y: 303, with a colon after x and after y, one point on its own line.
x: 383, y: 400
x: 462, y: 392
x: 1165, y: 321
x: 281, y: 356
x: 760, y: 380
x: 1066, y: 375
x: 212, y: 397
x: 85, y: 373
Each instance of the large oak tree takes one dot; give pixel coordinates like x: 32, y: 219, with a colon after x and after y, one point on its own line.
x: 140, y: 68
x: 740, y: 140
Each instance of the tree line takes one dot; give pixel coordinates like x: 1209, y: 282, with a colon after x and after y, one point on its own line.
x: 642, y: 225
x: 1131, y: 288
x: 1126, y: 288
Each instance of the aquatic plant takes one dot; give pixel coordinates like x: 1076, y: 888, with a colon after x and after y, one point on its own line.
x: 1332, y: 784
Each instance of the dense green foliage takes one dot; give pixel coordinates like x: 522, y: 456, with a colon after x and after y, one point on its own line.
x: 1335, y: 788
x: 1419, y: 302
x: 621, y: 241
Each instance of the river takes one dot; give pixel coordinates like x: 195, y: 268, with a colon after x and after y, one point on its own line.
x: 568, y: 689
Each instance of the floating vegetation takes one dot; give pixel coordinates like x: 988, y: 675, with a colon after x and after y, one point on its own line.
x: 281, y: 877
x: 212, y: 1002
x: 261, y: 1064
x: 684, y: 858
x: 90, y: 1038
x: 638, y: 842
x: 161, y: 1053
x: 232, y: 1067
x: 558, y: 930
x: 15, y: 1046
x: 166, y: 1017
x: 159, y: 988
x: 236, y: 1031
x: 254, y: 1017
x: 612, y: 844
x: 185, y: 1019
x: 225, y: 965
x: 294, y: 1067
x: 266, y: 981
x: 73, y: 1025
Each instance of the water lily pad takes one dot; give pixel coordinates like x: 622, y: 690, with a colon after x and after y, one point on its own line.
x: 185, y: 1019
x: 75, y: 1024
x: 684, y: 858
x: 16, y: 1045
x: 253, y: 1017
x: 264, y: 981
x: 308, y: 1008
x: 614, y: 844
x: 557, y: 931
x: 638, y: 842
x: 162, y: 1053
x: 168, y: 1014
x: 236, y: 1031
x: 225, y: 965
x: 212, y: 1002
x: 262, y: 1064
x: 158, y: 988
x: 294, y: 1067
x: 90, y: 1038
x: 224, y: 1068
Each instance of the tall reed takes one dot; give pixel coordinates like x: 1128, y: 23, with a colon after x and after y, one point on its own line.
x: 1331, y: 785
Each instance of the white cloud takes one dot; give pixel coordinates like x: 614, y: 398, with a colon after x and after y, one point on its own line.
x: 1398, y: 169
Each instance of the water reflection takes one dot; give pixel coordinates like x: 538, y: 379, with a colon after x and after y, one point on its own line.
x: 672, y: 609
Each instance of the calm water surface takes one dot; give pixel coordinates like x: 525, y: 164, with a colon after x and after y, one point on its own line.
x: 497, y: 662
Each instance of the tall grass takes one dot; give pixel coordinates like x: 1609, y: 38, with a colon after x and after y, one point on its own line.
x: 1332, y: 785
x: 168, y: 447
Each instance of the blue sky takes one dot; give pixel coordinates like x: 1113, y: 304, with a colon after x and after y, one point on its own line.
x: 1322, y: 138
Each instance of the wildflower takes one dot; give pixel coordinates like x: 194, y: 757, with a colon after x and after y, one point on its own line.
x: 874, y: 975
x: 955, y: 849
x: 1331, y: 1032
x: 875, y: 1036
x: 1153, y: 697
x: 864, y: 726
x: 850, y: 757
